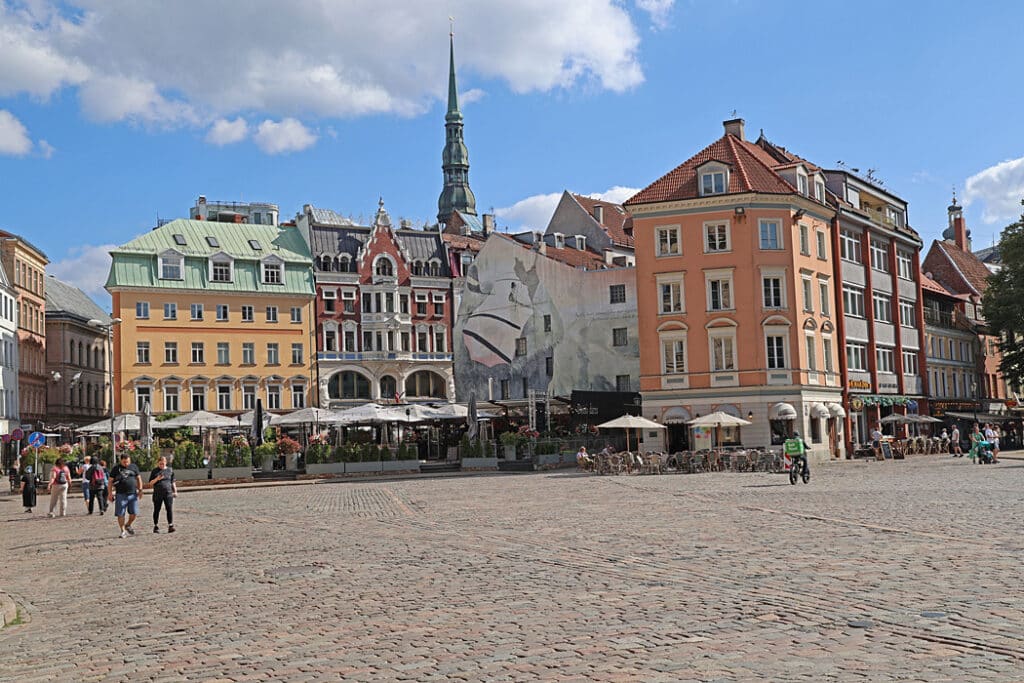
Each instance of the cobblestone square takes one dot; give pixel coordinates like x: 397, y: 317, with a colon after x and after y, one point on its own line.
x: 873, y: 572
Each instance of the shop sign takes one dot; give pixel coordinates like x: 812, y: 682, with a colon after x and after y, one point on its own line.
x: 856, y: 404
x: 859, y: 384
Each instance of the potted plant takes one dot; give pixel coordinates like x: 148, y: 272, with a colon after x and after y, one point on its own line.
x: 265, y: 454
x: 509, y: 440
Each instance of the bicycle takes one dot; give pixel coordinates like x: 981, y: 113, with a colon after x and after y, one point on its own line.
x: 796, y: 471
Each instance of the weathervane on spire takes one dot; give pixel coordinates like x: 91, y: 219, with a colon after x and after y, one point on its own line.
x: 451, y: 26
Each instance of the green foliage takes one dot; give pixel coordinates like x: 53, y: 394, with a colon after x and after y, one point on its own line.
x: 320, y: 453
x: 265, y: 449
x: 1002, y: 303
x: 509, y: 438
x: 287, y: 446
x: 188, y: 456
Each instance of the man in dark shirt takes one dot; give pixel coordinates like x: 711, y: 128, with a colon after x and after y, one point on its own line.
x: 125, y: 491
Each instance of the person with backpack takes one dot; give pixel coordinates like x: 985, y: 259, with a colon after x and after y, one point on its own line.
x: 83, y: 472
x: 60, y: 482
x: 96, y: 476
x: 125, y: 490
x: 165, y: 490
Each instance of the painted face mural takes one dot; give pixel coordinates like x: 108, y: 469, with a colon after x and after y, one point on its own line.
x: 491, y: 330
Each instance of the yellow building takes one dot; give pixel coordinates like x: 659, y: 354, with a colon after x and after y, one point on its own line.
x: 213, y: 316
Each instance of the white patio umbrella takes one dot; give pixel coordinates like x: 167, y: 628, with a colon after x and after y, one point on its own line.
x: 308, y: 416
x: 268, y: 419
x: 373, y: 413
x: 127, y: 422
x: 200, y: 419
x: 146, y: 426
x: 718, y: 419
x: 629, y: 422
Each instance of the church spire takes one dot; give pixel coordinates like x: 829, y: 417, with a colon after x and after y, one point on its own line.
x: 456, y: 195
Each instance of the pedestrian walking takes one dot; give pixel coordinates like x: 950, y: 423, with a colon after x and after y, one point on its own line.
x: 125, y: 490
x: 60, y: 482
x: 955, y: 438
x: 83, y: 472
x: 165, y: 490
x: 97, y: 478
x: 28, y: 489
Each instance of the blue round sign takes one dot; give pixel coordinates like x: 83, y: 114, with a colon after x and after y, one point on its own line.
x: 36, y: 439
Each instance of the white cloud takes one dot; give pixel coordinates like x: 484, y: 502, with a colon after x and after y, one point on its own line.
x: 470, y: 96
x: 658, y: 11
x: 86, y: 267
x: 999, y: 189
x: 287, y: 135
x: 46, y: 150
x: 534, y: 212
x: 157, y: 63
x: 14, y: 139
x: 225, y: 132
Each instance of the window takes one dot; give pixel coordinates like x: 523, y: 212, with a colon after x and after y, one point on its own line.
x: 827, y: 353
x: 853, y: 301
x: 622, y: 383
x: 907, y: 314
x: 805, y: 243
x: 171, y: 353
x: 547, y: 323
x: 823, y: 293
x: 520, y: 346
x: 142, y: 352
x: 350, y: 340
x: 801, y: 184
x: 297, y: 354
x: 617, y: 294
x: 198, y: 355
x: 910, y: 366
x: 439, y: 341
x: 620, y: 336
x: 249, y: 397
x: 822, y: 251
x: 549, y: 366
x: 719, y: 293
x: 712, y: 183
x: 716, y: 237
x: 723, y: 353
x: 273, y: 353
x: 272, y: 274
x: 403, y: 304
x: 771, y: 290
x: 296, y: 314
x: 368, y: 342
x: 775, y: 347
x: 248, y: 353
x: 271, y: 314
x: 673, y: 351
x: 222, y: 313
x: 171, y: 267
x: 331, y: 340
x: 668, y: 242
x: 819, y: 191
x: 212, y: 241
x: 879, y: 256
x: 142, y: 310
x: 220, y: 271
x: 812, y: 353
x: 274, y: 397
x: 179, y: 239
x: 171, y: 399
x: 856, y: 357
x: 849, y: 246
x: 298, y: 396
x: 884, y: 357
x: 770, y: 235
x: 223, y: 353
x: 672, y: 296
x: 384, y: 267
x: 808, y: 292
x: 196, y: 311
x: 426, y: 384
x: 248, y: 314
x: 142, y: 396
x: 438, y: 306
x: 330, y: 300
x: 882, y: 307
x: 223, y: 398
x: 904, y: 265
x: 198, y: 398
x: 505, y: 389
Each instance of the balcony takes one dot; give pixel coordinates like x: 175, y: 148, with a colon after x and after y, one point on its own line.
x: 360, y: 356
x: 951, y: 320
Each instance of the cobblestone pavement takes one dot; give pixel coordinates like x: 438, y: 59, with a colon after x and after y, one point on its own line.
x: 873, y: 572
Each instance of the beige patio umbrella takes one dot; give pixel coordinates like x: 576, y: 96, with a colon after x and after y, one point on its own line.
x: 629, y: 422
x: 718, y: 419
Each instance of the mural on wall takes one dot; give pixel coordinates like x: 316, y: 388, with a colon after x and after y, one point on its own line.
x: 521, y: 308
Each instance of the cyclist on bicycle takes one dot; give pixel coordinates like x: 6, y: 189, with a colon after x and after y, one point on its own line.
x: 796, y: 448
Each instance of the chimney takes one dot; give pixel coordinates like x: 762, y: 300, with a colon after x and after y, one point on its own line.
x: 734, y: 127
x: 958, y: 227
x: 488, y: 223
x: 598, y: 213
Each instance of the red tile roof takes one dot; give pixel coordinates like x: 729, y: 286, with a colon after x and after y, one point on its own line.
x: 970, y: 267
x: 932, y: 286
x: 751, y: 172
x: 576, y: 258
x: 465, y: 242
x: 614, y: 219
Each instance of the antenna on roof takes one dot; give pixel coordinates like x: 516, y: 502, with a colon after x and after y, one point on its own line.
x: 734, y: 113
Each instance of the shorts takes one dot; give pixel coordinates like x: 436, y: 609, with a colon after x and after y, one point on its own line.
x: 126, y: 502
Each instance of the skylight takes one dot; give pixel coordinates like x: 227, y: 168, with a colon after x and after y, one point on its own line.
x: 179, y: 239
x: 255, y: 244
x: 212, y: 241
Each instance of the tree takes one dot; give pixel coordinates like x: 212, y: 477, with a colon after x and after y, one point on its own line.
x: 1003, y: 303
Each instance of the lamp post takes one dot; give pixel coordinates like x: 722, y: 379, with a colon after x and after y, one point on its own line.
x: 109, y: 329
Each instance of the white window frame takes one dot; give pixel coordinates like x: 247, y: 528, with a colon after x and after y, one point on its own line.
x: 668, y: 280
x: 298, y: 353
x: 268, y: 266
x: 271, y: 313
x: 879, y: 255
x: 223, y: 353
x: 853, y: 294
x: 197, y: 350
x: 821, y: 244
x: 273, y: 353
x: 143, y: 391
x: 881, y: 306
x: 171, y: 352
x: 888, y: 355
x: 248, y: 353
x: 805, y: 239
x: 803, y: 184
x: 904, y: 265
x: 227, y: 313
x: 826, y: 353
x: 856, y: 351
x: 221, y: 394
x: 779, y: 333
x: 166, y: 259
x: 296, y: 315
x: 170, y: 311
x: 776, y: 225
x: 220, y: 260
x: 721, y: 275
x: 807, y: 293
x: 298, y: 396
x: 673, y: 337
x: 850, y: 246
x: 248, y: 313
x: 823, y: 294
x: 273, y: 397
x: 673, y: 234
x: 723, y: 334
x: 911, y: 363
x: 774, y: 274
x: 811, y: 349
x: 721, y: 230
x: 172, y: 391
x: 142, y: 355
x: 142, y: 310
x: 708, y: 181
x: 196, y: 312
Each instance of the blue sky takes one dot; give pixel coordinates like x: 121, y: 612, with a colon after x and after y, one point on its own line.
x: 109, y: 119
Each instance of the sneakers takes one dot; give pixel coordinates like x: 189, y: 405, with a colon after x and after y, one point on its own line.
x: 131, y: 531
x: 50, y: 515
x: 170, y: 529
x: 156, y: 530
x: 124, y: 533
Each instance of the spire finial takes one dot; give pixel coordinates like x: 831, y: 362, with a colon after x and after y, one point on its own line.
x: 451, y: 26
x: 380, y: 202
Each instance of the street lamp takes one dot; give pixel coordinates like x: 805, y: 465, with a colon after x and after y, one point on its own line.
x: 109, y: 329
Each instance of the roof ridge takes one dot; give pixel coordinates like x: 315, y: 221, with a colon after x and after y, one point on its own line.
x: 730, y: 140
x: 957, y: 267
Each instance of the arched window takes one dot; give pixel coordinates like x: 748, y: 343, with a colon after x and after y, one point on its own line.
x: 388, y: 387
x: 81, y: 355
x: 343, y: 264
x: 96, y: 358
x: 435, y: 268
x: 384, y: 267
x: 346, y: 385
x: 417, y: 268
x: 71, y: 352
x: 425, y: 384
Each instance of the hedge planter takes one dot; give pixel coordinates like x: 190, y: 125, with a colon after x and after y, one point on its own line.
x: 232, y: 472
x: 401, y: 466
x: 192, y: 474
x: 325, y: 468
x: 510, y: 452
x: 479, y: 463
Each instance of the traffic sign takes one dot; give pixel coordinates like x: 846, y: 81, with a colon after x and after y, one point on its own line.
x: 17, y: 434
x: 36, y: 439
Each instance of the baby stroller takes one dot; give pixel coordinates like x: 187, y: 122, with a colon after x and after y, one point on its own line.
x: 985, y: 455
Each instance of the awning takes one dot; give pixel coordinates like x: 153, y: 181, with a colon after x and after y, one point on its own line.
x: 982, y: 417
x: 819, y: 411
x: 835, y: 410
x: 676, y: 415
x: 782, y: 411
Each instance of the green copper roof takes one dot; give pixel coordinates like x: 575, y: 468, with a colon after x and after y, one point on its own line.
x: 453, y: 91
x: 136, y: 264
x: 455, y: 195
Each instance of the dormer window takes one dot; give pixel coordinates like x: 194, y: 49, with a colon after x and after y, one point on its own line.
x: 801, y: 183
x: 559, y: 240
x: 171, y: 266
x: 384, y: 268
x: 273, y: 273
x: 581, y: 242
x: 713, y: 181
x: 819, y: 190
x: 221, y: 268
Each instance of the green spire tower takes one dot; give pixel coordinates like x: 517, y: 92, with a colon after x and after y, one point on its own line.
x: 456, y: 195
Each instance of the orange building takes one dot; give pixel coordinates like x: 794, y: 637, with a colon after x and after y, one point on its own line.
x: 736, y: 297
x: 25, y: 265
